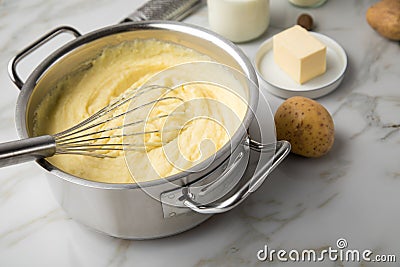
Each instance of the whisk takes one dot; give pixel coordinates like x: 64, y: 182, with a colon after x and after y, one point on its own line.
x: 86, y: 137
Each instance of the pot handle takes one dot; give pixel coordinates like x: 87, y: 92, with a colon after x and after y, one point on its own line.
x: 12, y: 65
x: 282, y: 150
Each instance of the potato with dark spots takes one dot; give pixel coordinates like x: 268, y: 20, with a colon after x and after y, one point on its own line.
x: 307, y: 125
x: 384, y: 17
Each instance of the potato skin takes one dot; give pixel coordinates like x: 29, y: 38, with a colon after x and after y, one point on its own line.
x: 306, y: 124
x: 384, y: 17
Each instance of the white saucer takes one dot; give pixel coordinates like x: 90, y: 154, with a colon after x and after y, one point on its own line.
x: 279, y: 83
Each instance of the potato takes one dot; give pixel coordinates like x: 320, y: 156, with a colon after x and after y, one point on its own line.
x: 384, y: 17
x: 306, y: 124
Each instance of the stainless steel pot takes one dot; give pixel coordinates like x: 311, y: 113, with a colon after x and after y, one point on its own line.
x: 181, y: 201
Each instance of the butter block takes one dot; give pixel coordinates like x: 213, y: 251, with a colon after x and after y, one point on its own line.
x: 299, y: 54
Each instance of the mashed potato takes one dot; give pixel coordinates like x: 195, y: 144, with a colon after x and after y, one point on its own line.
x: 199, y: 126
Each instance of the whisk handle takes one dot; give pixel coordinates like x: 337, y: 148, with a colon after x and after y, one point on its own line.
x: 24, y: 150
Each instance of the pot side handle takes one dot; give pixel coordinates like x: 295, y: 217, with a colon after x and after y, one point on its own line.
x: 282, y: 150
x: 12, y: 65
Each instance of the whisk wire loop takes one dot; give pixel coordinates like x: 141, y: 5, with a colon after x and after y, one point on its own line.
x: 84, y: 138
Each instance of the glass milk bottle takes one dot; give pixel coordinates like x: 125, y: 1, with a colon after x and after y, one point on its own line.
x: 238, y: 20
x: 307, y: 3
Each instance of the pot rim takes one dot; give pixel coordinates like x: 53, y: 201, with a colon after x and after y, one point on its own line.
x: 34, y: 77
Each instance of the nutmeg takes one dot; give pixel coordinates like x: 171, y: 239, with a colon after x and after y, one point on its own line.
x: 305, y: 21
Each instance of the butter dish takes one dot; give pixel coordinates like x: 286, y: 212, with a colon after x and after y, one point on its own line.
x: 277, y: 82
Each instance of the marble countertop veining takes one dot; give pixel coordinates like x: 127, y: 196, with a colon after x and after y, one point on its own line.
x: 352, y: 193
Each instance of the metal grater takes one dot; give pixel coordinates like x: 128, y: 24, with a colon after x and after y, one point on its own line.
x: 164, y: 10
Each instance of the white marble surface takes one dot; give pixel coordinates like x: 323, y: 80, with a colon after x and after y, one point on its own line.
x: 352, y: 193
